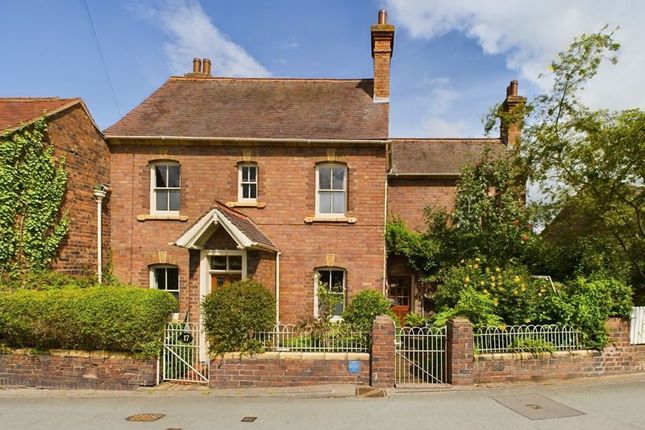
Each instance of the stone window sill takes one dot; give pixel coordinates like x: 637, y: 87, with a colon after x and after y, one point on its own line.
x: 156, y: 217
x: 249, y: 204
x: 336, y: 220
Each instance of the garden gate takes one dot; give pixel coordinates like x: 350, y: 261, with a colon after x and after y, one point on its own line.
x: 181, y: 358
x: 420, y: 355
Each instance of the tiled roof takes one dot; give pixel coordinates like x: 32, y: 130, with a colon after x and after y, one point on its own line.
x: 245, y: 225
x: 258, y: 108
x: 17, y: 110
x: 439, y: 156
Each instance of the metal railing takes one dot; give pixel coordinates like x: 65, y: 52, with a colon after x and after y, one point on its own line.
x: 527, y: 338
x: 339, y: 338
x: 420, y: 355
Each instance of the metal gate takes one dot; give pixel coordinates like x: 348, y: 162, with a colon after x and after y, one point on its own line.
x: 181, y: 358
x: 637, y: 326
x: 420, y: 355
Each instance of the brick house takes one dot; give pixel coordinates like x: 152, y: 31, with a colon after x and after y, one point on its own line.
x: 286, y: 181
x: 75, y: 136
x: 424, y: 173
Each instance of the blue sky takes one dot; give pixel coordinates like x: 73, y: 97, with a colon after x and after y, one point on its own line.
x: 452, y: 59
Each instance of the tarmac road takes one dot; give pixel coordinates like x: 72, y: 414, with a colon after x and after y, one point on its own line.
x: 595, y: 404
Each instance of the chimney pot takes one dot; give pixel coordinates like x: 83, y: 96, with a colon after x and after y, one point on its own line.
x: 207, y: 67
x: 512, y: 89
x: 197, y: 65
x: 382, y: 17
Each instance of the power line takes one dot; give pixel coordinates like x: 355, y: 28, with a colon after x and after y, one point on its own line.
x: 98, y: 44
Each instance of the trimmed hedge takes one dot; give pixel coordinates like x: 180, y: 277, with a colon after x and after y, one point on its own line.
x: 111, y: 318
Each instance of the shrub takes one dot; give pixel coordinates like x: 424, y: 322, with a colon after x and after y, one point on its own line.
x: 365, y: 307
x: 414, y: 320
x: 234, y: 312
x: 479, y: 308
x: 592, y: 302
x: 44, y: 280
x: 129, y: 319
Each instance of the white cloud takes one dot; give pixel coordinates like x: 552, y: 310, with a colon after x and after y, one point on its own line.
x: 530, y: 33
x: 193, y: 34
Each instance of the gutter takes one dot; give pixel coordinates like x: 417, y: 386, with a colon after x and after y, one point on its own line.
x: 248, y: 139
x: 425, y: 175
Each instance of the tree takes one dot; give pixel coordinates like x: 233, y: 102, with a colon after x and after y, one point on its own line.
x: 490, y: 221
x: 592, y: 161
x: 32, y: 187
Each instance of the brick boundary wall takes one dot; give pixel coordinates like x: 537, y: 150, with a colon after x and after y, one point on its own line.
x: 289, y: 369
x: 69, y: 369
x: 382, y: 356
x: 619, y: 357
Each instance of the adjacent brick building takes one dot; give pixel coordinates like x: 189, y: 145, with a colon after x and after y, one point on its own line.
x: 74, y: 135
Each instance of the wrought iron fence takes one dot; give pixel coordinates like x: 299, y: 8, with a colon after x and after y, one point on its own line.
x: 527, y: 338
x: 338, y: 338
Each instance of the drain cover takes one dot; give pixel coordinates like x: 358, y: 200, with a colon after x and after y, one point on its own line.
x: 248, y: 419
x: 536, y: 407
x: 145, y: 417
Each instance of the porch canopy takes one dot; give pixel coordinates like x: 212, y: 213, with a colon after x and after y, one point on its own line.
x: 244, y: 232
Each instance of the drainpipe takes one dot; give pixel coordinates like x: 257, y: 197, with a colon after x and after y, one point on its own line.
x: 277, y: 287
x: 99, y: 194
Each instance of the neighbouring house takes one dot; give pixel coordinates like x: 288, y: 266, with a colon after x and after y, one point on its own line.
x: 74, y: 135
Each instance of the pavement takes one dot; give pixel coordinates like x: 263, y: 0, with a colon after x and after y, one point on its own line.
x: 592, y: 403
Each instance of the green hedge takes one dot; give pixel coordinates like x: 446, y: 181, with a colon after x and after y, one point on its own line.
x: 115, y: 318
x: 234, y: 312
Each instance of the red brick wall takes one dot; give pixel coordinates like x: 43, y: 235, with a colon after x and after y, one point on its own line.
x: 408, y: 198
x: 288, y: 369
x: 96, y: 370
x: 286, y: 187
x: 619, y: 357
x: 88, y: 164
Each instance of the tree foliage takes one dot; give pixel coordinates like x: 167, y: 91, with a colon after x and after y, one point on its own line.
x: 32, y: 187
x: 592, y: 161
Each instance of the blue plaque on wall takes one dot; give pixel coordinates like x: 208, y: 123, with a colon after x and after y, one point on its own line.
x: 354, y: 366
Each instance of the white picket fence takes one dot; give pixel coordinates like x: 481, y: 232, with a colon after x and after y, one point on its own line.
x: 637, y: 329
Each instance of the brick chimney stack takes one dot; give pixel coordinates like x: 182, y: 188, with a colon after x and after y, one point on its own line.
x: 382, y: 48
x: 511, y: 128
x: 201, y: 68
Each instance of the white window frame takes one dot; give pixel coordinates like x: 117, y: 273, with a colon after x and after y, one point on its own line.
x: 153, y: 281
x: 317, y: 282
x: 241, y: 182
x: 227, y: 253
x: 319, y: 191
x: 153, y: 187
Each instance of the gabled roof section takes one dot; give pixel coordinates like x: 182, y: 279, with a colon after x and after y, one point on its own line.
x: 439, y: 157
x: 187, y: 107
x: 16, y: 112
x: 246, y: 234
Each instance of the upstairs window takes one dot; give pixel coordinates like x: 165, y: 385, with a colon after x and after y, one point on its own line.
x: 165, y: 187
x: 248, y: 182
x: 331, y: 190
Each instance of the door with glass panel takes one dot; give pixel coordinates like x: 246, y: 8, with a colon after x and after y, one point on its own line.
x: 224, y: 269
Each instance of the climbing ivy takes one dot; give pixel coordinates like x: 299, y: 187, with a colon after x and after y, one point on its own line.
x: 32, y: 187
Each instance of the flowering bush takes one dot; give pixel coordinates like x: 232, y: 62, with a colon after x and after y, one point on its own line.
x: 516, y: 297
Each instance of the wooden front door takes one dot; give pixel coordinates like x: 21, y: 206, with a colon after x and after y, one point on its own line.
x: 219, y: 279
x: 400, y: 293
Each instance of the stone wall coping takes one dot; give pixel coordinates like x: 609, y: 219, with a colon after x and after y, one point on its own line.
x: 511, y: 356
x: 340, y: 356
x: 73, y: 353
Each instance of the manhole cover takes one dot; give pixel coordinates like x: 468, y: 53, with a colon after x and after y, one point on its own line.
x: 145, y: 417
x: 248, y: 419
x: 536, y: 407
